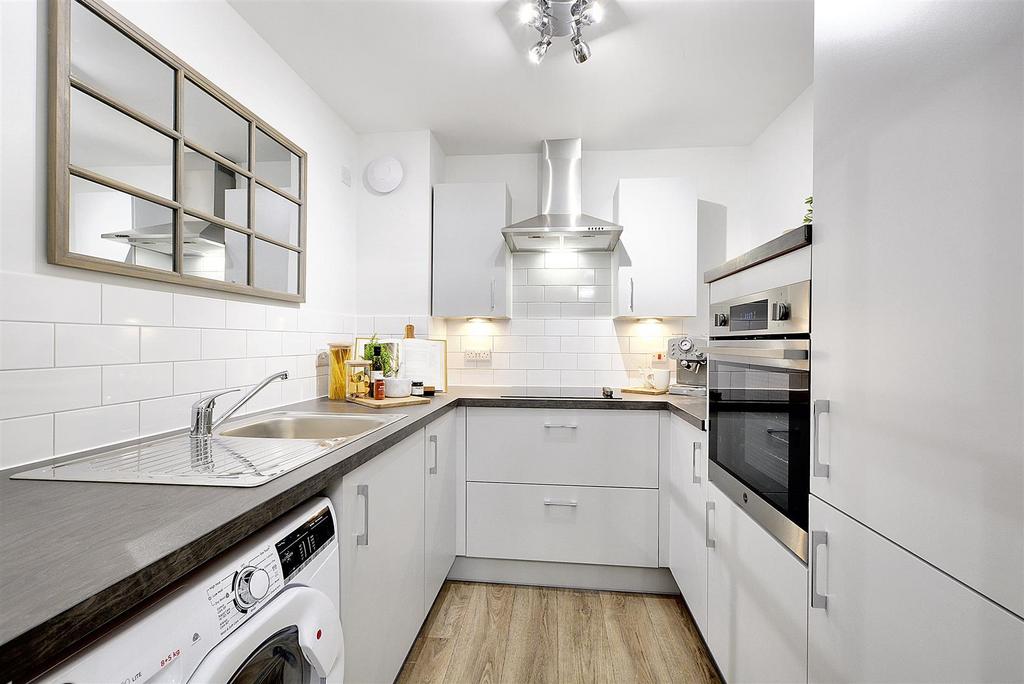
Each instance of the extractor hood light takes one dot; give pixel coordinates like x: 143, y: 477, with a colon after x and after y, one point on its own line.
x: 478, y: 319
x: 529, y: 13
x: 580, y: 50
x: 537, y: 52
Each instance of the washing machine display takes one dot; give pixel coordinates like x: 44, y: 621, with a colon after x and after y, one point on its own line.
x: 302, y: 545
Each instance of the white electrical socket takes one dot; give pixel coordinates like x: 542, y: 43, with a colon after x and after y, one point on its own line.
x: 477, y: 355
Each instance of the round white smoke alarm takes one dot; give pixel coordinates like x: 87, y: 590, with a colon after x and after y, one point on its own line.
x: 384, y: 174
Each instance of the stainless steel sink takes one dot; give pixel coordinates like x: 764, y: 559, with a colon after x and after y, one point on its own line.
x: 245, y: 453
x: 317, y: 426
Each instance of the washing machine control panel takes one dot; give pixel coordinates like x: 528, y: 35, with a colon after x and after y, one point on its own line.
x: 303, y: 544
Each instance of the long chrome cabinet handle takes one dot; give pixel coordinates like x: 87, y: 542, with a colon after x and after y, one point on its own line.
x: 709, y: 508
x: 571, y: 503
x: 492, y: 294
x: 818, y: 538
x: 560, y: 426
x: 696, y: 466
x: 433, y: 468
x: 819, y: 469
x: 631, y: 290
x: 364, y: 538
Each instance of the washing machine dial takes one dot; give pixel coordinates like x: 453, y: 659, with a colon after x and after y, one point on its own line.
x: 251, y: 585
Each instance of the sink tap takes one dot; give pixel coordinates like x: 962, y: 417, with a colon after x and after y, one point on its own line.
x: 202, y: 424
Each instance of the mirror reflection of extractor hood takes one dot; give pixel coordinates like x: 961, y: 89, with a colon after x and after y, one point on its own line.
x: 561, y: 223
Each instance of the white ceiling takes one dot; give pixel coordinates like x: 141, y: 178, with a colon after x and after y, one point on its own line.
x: 665, y: 74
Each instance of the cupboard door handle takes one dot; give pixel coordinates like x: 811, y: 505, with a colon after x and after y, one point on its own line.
x: 560, y: 426
x: 631, y: 290
x: 820, y: 469
x: 492, y: 294
x: 570, y: 503
x: 433, y: 468
x: 696, y: 465
x: 818, y: 538
x: 709, y: 508
x: 364, y: 538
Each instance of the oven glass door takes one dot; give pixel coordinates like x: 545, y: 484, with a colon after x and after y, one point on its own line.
x: 760, y: 429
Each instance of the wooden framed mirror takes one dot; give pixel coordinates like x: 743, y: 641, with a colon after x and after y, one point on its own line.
x: 157, y: 173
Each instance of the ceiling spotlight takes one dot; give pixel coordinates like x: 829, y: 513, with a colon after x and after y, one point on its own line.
x: 593, y: 14
x: 580, y: 50
x: 537, y: 52
x: 529, y: 13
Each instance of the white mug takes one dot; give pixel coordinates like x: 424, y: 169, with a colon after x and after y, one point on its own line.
x: 656, y: 378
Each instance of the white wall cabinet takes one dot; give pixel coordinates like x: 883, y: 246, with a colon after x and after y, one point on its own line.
x: 470, y: 265
x: 757, y: 600
x: 890, y: 617
x: 923, y: 444
x: 687, y: 494
x: 382, y: 550
x: 439, y: 501
x: 654, y: 266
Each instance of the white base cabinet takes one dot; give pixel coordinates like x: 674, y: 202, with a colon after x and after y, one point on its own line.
x: 686, y: 490
x: 439, y: 502
x: 757, y: 600
x: 381, y: 523
x: 890, y: 617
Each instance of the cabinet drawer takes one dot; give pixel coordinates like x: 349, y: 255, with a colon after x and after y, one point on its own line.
x: 563, y: 446
x: 600, y: 525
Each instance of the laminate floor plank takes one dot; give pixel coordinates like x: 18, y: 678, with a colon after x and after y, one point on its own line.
x: 481, y: 644
x: 494, y: 633
x: 532, y: 653
x: 583, y: 654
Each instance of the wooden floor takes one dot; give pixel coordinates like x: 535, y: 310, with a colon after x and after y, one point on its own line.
x: 504, y: 633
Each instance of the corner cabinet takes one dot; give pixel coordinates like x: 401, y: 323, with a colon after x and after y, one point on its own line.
x: 471, y: 266
x: 654, y: 266
x: 687, y: 494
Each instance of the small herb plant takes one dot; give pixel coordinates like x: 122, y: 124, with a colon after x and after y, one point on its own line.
x: 809, y: 216
x: 387, y: 355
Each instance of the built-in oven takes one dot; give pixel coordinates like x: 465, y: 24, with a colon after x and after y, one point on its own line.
x: 759, y: 415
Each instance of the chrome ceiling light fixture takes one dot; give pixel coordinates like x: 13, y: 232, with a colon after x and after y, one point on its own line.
x: 560, y: 18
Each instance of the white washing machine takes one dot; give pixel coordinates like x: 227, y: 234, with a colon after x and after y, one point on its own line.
x: 266, y: 611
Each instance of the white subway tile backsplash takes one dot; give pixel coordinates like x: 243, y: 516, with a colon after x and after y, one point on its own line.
x: 519, y: 276
x: 23, y: 440
x: 263, y: 343
x: 562, y: 327
x: 612, y: 379
x: 94, y: 427
x: 611, y: 345
x: 199, y: 312
x: 602, y: 276
x: 520, y: 309
x: 136, y: 306
x: 169, y: 344
x: 561, y: 259
x: 576, y: 378
x: 527, y: 326
x: 166, y: 414
x: 46, y: 390
x: 528, y: 260
x: 602, y: 310
x: 595, y: 293
x: 389, y: 325
x: 476, y: 343
x: 93, y: 345
x: 499, y: 360
x: 578, y: 345
x: 528, y: 293
x: 505, y: 343
x: 198, y: 376
x: 137, y: 381
x: 595, y: 260
x: 560, y: 276
x: 456, y: 360
x: 274, y: 364
x: 559, y: 361
x: 477, y: 376
x: 579, y: 310
x: 245, y: 316
x: 26, y: 345
x: 28, y: 297
x: 306, y: 366
x: 543, y: 378
x: 293, y: 343
x: 238, y: 372
x: 543, y: 344
x: 281, y: 318
x: 594, y: 361
x: 598, y: 328
x: 647, y: 345
x: 526, y: 360
x: 509, y: 377
x: 543, y: 310
x: 224, y: 344
x: 560, y: 293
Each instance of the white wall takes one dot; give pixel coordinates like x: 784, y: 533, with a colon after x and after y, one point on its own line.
x: 88, y: 359
x: 780, y: 175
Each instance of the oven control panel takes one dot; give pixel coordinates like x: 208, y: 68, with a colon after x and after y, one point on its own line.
x: 780, y: 311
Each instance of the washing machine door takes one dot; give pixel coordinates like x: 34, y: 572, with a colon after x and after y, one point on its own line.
x: 294, y: 639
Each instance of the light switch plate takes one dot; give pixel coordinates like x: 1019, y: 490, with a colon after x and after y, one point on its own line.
x: 477, y: 355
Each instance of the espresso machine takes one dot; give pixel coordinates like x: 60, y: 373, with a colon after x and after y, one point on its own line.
x: 690, y: 357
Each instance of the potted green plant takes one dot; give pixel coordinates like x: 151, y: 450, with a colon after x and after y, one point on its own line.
x: 393, y: 385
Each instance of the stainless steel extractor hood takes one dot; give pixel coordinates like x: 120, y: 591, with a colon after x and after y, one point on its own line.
x: 561, y: 223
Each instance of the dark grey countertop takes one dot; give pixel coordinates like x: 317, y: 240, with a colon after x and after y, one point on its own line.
x: 78, y: 557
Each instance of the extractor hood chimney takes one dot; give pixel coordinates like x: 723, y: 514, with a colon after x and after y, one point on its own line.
x: 561, y: 223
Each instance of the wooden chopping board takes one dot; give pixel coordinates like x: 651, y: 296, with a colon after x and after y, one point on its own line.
x: 390, y: 402
x: 643, y: 390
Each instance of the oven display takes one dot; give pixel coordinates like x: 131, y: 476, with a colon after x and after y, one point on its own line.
x: 298, y: 547
x: 752, y: 316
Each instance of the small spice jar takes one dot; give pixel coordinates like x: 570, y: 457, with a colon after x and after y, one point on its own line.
x: 417, y: 388
x: 378, y: 389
